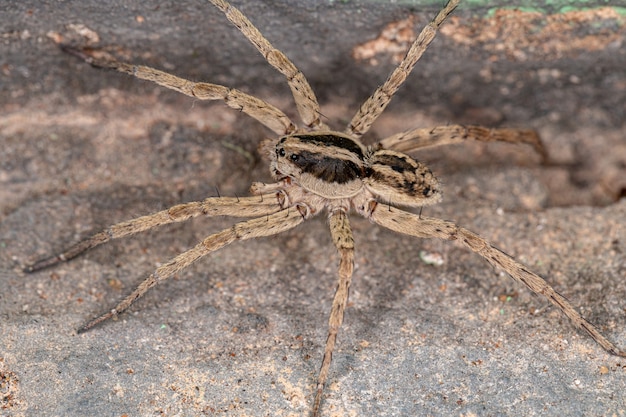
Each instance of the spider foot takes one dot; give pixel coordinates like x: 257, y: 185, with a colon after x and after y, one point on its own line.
x: 95, y: 57
x: 91, y: 324
x: 43, y: 264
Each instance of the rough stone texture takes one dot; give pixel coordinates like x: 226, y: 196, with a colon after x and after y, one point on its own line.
x: 242, y: 332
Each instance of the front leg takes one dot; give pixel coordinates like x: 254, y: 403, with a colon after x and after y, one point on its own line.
x: 212, y: 206
x: 254, y: 107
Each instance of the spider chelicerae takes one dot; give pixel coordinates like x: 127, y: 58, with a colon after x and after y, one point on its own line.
x: 317, y: 170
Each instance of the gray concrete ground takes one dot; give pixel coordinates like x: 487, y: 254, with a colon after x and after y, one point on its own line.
x: 241, y: 332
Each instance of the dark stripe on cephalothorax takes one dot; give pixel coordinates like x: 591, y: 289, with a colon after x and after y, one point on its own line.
x: 333, y: 140
x: 328, y: 169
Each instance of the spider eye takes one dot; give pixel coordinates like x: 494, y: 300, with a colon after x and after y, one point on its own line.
x: 294, y: 157
x: 281, y: 152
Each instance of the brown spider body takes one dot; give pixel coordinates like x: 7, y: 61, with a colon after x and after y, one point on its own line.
x: 333, y: 165
x: 319, y: 169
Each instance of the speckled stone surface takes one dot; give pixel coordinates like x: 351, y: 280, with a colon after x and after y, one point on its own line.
x: 241, y: 332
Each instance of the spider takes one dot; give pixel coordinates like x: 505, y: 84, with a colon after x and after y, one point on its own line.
x: 317, y: 170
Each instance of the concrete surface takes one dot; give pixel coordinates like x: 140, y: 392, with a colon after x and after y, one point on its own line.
x: 242, y: 332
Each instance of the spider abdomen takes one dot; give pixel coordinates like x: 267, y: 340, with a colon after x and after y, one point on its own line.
x: 397, y: 178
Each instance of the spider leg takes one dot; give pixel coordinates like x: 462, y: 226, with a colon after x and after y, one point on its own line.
x: 256, y: 108
x: 260, y: 227
x: 414, y: 225
x: 342, y: 238
x: 303, y: 94
x: 415, y: 139
x: 377, y: 102
x: 213, y: 206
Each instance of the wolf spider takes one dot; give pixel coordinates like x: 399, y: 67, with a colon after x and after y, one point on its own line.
x: 319, y: 169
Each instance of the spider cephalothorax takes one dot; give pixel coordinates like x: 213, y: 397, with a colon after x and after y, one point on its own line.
x: 318, y: 169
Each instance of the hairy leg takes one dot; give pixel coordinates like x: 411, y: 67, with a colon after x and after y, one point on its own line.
x: 426, y: 227
x: 377, y: 102
x: 303, y: 94
x: 256, y: 108
x: 213, y: 206
x: 342, y: 238
x: 421, y: 138
x: 260, y: 227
